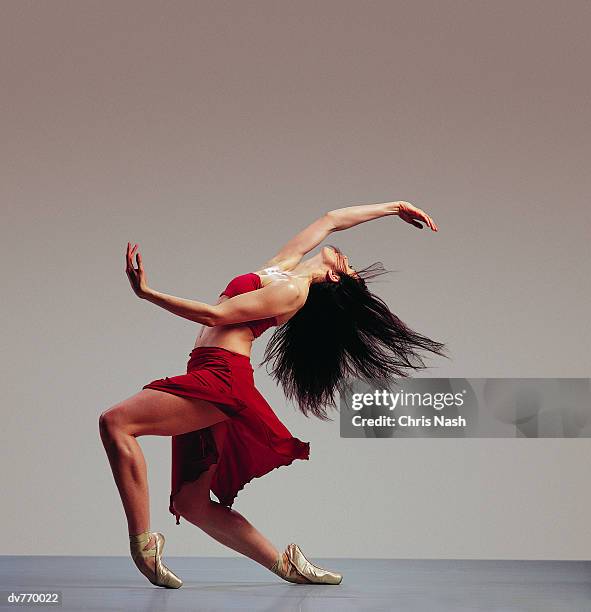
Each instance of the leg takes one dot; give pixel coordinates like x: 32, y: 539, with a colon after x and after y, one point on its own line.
x: 225, y: 525
x: 230, y: 528
x: 148, y: 412
x: 152, y: 412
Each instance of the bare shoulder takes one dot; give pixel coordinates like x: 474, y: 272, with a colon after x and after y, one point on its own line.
x: 281, y: 282
x: 282, y: 264
x: 291, y: 293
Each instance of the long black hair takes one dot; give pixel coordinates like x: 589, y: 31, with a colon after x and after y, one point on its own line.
x: 342, y: 330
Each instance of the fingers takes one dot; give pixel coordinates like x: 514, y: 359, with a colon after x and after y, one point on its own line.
x: 406, y: 217
x: 429, y: 221
x: 129, y: 255
x: 414, y: 216
x: 432, y: 224
x: 134, y: 275
x: 426, y: 219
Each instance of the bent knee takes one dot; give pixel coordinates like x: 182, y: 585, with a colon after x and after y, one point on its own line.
x: 193, y: 500
x: 110, y: 423
x: 194, y: 509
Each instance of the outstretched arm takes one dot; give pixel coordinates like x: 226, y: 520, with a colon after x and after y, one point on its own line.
x: 303, y: 242
x: 344, y: 218
x: 273, y: 300
x: 270, y: 301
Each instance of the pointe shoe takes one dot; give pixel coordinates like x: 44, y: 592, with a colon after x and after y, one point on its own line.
x: 161, y: 576
x: 300, y: 570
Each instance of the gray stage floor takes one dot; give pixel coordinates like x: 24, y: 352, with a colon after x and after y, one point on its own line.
x: 113, y: 583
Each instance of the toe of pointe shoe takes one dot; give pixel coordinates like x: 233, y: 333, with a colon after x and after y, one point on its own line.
x: 315, y: 574
x: 164, y: 576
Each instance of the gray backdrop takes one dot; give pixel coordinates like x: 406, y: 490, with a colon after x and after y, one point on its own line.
x: 210, y: 132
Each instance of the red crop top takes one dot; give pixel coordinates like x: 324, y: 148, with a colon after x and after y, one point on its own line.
x: 243, y: 284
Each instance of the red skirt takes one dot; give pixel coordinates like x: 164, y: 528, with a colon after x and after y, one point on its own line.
x: 256, y: 441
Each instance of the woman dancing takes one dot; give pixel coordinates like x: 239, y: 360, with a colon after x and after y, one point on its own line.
x: 224, y: 433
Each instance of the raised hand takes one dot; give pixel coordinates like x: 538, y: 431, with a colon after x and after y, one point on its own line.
x: 137, y: 277
x: 411, y: 214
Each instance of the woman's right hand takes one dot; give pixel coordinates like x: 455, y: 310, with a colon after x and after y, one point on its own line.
x: 137, y: 277
x: 411, y: 214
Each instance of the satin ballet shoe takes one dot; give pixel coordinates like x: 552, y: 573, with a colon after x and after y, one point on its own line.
x: 300, y: 571
x: 161, y: 576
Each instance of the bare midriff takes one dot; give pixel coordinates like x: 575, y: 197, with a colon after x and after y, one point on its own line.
x: 237, y: 337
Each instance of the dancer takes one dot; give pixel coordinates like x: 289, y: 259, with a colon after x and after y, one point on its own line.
x: 224, y: 433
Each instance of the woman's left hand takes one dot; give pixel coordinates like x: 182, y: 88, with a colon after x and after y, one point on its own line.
x: 137, y: 277
x: 411, y: 214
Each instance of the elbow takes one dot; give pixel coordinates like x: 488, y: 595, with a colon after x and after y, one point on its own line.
x: 211, y: 318
x: 331, y: 220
